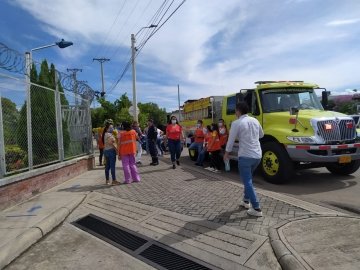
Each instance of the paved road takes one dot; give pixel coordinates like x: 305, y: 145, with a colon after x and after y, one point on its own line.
x: 316, y: 186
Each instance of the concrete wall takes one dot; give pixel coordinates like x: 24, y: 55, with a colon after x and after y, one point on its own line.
x: 18, y: 188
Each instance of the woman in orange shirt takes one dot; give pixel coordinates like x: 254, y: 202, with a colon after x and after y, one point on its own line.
x: 127, y: 151
x: 223, y: 133
x: 174, y: 137
x: 214, y: 148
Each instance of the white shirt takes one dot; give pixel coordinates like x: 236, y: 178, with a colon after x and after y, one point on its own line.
x: 248, y: 131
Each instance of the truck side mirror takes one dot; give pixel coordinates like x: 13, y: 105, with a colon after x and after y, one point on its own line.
x: 294, y: 111
x: 325, y: 99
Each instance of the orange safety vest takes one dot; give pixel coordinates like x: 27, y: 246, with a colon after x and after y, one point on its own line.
x: 214, y: 142
x: 127, y: 144
x: 100, y: 142
x: 223, y: 137
x: 199, y: 135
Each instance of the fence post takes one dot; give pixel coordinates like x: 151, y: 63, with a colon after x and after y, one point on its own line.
x: 90, y: 141
x: 59, y: 126
x: 28, y: 109
x: 2, y: 143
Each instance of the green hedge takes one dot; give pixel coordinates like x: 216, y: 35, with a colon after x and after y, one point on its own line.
x: 15, y: 158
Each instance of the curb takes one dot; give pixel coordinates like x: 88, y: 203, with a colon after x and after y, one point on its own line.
x: 286, y: 257
x: 23, y: 241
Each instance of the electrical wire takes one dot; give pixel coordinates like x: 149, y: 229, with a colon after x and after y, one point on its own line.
x: 126, y: 68
x: 110, y: 29
x: 127, y: 65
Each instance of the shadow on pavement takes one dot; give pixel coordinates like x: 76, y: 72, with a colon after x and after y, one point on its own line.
x: 79, y: 188
x: 190, y: 230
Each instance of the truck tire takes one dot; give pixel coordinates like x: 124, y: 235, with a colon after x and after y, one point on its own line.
x: 276, y: 165
x: 193, y: 154
x: 344, y: 169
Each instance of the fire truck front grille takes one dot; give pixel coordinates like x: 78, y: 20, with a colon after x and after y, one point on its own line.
x: 341, y: 130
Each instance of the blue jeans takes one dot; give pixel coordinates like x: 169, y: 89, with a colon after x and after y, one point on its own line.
x: 197, y: 146
x: 158, y: 143
x: 247, y: 167
x: 110, y: 156
x: 201, y: 157
x: 175, y: 149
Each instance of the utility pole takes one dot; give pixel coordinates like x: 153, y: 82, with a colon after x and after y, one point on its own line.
x: 102, y: 60
x: 179, y: 102
x: 133, y: 51
x: 74, y: 71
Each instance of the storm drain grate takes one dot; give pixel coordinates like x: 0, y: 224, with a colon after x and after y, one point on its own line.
x: 140, y: 246
x: 106, y: 231
x: 169, y: 259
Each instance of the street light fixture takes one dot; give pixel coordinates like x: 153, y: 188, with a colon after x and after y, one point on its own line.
x: 133, y: 51
x: 28, y: 62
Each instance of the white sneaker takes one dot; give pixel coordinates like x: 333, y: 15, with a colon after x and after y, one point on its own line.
x: 253, y: 212
x: 209, y: 168
x: 215, y: 170
x: 246, y: 205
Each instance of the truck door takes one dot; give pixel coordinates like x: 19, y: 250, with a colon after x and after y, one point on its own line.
x: 251, y: 99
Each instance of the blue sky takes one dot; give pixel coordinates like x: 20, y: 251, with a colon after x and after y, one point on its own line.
x: 207, y: 47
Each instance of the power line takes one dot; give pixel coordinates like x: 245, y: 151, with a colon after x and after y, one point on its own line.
x: 154, y: 17
x: 127, y: 19
x: 152, y: 21
x: 126, y: 68
x: 111, y: 27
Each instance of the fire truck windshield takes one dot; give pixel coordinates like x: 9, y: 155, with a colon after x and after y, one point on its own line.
x: 280, y: 100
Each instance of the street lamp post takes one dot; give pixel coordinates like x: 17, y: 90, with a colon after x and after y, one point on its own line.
x: 212, y: 109
x: 133, y: 51
x: 28, y: 62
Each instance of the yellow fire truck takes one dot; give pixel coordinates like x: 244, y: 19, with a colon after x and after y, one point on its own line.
x: 299, y: 133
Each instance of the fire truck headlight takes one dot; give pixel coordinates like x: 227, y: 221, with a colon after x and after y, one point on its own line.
x: 303, y: 140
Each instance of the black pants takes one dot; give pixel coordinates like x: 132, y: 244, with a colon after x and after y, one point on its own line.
x: 215, y: 160
x: 101, y: 156
x: 153, y: 151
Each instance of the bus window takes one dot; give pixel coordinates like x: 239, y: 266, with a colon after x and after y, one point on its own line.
x: 230, y: 106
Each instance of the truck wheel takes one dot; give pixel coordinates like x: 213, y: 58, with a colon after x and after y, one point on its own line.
x: 344, y: 169
x: 276, y: 165
x: 193, y: 154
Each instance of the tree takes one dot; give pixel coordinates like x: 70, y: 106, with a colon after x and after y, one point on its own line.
x: 118, y: 111
x: 10, y: 118
x: 348, y: 107
x: 43, y: 117
x: 151, y: 110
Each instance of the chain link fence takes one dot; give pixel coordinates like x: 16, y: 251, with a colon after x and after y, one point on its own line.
x: 40, y: 125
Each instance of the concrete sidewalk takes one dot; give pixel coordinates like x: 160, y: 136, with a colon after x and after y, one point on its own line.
x: 191, y: 210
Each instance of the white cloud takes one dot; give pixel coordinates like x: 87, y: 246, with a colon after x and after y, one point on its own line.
x: 257, y: 41
x: 343, y: 22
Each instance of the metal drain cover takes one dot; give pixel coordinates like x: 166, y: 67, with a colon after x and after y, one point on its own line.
x: 140, y: 246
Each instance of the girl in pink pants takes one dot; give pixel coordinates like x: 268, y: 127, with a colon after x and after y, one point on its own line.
x: 127, y: 151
